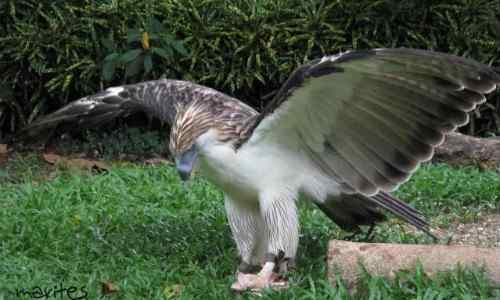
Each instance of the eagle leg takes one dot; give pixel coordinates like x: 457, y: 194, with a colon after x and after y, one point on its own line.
x: 282, y: 235
x: 281, y: 227
x: 247, y: 227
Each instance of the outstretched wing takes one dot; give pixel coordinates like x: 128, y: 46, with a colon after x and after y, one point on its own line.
x: 368, y: 118
x: 159, y: 98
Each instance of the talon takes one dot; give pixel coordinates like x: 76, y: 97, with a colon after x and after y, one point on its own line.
x: 255, y: 283
x: 245, y: 281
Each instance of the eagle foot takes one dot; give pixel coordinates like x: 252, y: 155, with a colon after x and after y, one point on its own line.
x: 256, y: 283
x: 272, y: 275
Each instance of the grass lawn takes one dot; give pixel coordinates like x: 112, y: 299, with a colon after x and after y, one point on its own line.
x: 140, y: 229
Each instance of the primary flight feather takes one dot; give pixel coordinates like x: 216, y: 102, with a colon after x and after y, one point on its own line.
x: 342, y: 132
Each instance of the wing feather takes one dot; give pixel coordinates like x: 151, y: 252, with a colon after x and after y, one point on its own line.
x: 368, y: 118
x: 158, y: 98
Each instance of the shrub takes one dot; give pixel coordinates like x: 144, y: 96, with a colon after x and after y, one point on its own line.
x: 56, y: 51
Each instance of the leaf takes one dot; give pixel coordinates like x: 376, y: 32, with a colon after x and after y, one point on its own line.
x: 130, y: 55
x: 259, y: 77
x: 179, y: 47
x: 134, y: 35
x: 166, y: 54
x: 87, y: 164
x: 155, y: 26
x: 108, y: 42
x: 67, y: 81
x: 148, y: 63
x: 108, y: 288
x: 112, y: 57
x: 495, y: 27
x: 76, y: 220
x: 135, y: 67
x: 77, y: 163
x: 108, y: 70
x: 172, y: 291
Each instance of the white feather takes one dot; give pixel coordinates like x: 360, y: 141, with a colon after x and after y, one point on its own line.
x: 114, y: 91
x: 259, y: 168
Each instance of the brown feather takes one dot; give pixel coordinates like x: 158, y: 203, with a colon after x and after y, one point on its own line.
x: 215, y: 110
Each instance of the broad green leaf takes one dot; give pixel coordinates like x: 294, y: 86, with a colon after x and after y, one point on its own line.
x: 153, y: 36
x: 134, y: 35
x: 155, y: 26
x: 179, y: 47
x: 130, y: 55
x: 108, y: 42
x: 135, y: 67
x: 112, y: 57
x: 165, y: 53
x: 108, y: 70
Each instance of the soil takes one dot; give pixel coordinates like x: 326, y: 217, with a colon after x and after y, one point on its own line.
x: 484, y: 233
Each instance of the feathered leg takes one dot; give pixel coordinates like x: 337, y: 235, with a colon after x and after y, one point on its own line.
x: 279, y: 213
x: 247, y: 227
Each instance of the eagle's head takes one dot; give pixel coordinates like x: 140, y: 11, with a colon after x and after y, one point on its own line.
x: 192, y: 121
x: 204, y: 123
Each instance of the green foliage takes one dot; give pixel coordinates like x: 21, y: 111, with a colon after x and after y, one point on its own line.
x: 461, y: 284
x: 151, y: 44
x: 56, y: 51
x: 53, y: 52
x: 461, y: 193
x: 145, y: 231
x: 116, y: 144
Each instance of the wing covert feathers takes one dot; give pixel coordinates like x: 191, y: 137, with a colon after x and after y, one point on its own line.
x: 370, y: 117
x: 159, y: 98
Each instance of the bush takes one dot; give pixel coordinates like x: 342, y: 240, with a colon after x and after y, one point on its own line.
x: 56, y: 51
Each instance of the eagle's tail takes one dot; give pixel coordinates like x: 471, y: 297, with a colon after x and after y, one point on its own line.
x: 349, y: 211
x: 353, y: 210
x: 403, y: 211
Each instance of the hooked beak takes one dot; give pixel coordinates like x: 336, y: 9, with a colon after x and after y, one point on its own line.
x: 185, y: 163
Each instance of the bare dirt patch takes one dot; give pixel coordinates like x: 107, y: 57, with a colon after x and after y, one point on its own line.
x: 484, y: 233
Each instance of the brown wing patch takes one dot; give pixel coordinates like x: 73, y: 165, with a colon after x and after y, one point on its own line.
x: 209, y: 109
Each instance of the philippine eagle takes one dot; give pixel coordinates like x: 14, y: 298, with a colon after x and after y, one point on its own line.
x: 342, y: 132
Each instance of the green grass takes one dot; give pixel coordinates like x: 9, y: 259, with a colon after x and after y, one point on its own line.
x: 140, y: 228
